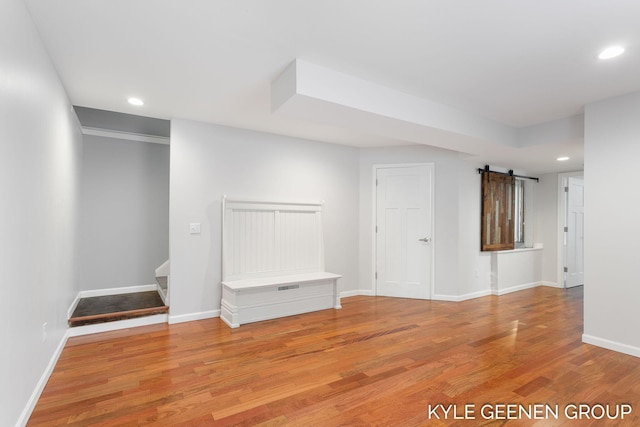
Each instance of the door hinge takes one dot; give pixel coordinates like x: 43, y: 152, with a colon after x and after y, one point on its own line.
x: 376, y: 228
x: 376, y: 275
x: 376, y: 182
x: 566, y: 189
x: 566, y: 269
x: 566, y: 229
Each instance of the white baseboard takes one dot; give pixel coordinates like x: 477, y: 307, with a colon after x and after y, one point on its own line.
x: 42, y: 382
x: 162, y: 294
x: 611, y: 345
x: 458, y: 298
x: 116, y: 325
x: 180, y: 318
x: 73, y: 306
x: 116, y: 291
x: 464, y: 297
x: 224, y: 316
x: 497, y: 292
x: 363, y: 292
x: 551, y: 284
x: 515, y: 288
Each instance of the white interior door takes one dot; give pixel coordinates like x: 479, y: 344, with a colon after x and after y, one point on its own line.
x: 404, y: 231
x: 575, y: 232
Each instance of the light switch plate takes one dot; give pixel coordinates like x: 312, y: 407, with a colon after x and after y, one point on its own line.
x: 194, y: 228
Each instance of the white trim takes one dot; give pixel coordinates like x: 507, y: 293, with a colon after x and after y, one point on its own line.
x: 551, y: 284
x: 116, y: 325
x: 130, y: 136
x: 263, y: 201
x: 560, y: 230
x: 164, y: 269
x: 459, y: 298
x: 478, y: 294
x: 374, y: 235
x: 516, y: 288
x: 117, y: 291
x: 374, y: 207
x: 434, y: 233
x: 180, y: 318
x: 73, y: 306
x: 163, y: 297
x: 42, y: 382
x: 228, y: 322
x: 611, y: 345
x: 536, y: 247
x: 359, y: 292
x: 264, y: 282
x: 223, y: 254
x: 560, y: 224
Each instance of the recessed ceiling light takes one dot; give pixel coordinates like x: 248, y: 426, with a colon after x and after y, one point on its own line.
x: 135, y: 101
x: 562, y: 159
x: 611, y: 52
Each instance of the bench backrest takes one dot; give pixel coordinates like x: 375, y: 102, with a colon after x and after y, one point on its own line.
x: 270, y: 238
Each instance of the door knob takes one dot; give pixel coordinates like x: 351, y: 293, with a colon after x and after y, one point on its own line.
x: 426, y: 240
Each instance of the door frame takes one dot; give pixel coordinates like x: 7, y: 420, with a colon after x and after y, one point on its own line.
x: 374, y: 216
x: 563, y: 179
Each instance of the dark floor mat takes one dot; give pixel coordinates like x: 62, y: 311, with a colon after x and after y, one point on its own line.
x: 116, y: 307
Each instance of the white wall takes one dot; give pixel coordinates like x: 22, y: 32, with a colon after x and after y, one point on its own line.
x: 474, y: 266
x: 124, y: 213
x: 208, y: 161
x: 462, y: 271
x: 39, y: 185
x: 500, y: 272
x: 497, y: 272
x: 546, y: 225
x: 612, y: 294
x: 515, y: 270
x: 446, y: 234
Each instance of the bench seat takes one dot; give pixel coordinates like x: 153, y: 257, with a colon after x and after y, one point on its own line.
x: 256, y: 299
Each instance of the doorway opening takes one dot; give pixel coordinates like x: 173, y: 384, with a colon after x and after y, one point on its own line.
x: 404, y: 224
x: 124, y: 212
x: 571, y: 220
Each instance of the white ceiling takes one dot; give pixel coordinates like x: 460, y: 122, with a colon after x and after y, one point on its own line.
x: 516, y: 63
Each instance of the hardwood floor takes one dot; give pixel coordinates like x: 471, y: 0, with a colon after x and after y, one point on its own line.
x: 378, y: 361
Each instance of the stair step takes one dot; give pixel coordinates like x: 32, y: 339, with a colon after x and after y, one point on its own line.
x: 110, y: 308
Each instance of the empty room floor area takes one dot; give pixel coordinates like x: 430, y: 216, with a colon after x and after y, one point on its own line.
x: 378, y: 361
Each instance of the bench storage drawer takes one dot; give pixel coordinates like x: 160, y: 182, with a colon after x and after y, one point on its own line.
x: 290, y: 296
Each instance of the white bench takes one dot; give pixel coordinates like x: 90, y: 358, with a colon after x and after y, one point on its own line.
x: 273, y: 261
